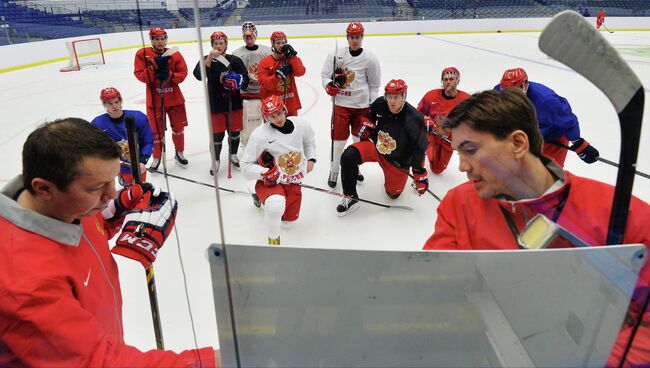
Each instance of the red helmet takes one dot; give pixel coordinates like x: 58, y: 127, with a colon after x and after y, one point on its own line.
x: 355, y: 29
x: 248, y: 26
x: 278, y: 35
x: 450, y: 71
x: 271, y: 105
x: 396, y: 86
x: 218, y: 36
x: 109, y: 93
x: 514, y: 78
x: 157, y: 32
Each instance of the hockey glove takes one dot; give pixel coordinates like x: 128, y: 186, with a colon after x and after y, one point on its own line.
x: 288, y: 51
x: 162, y: 62
x: 339, y: 78
x: 127, y: 199
x: 420, y: 180
x: 366, y: 129
x: 145, y: 230
x: 585, y: 151
x: 270, y: 177
x: 331, y: 89
x: 233, y: 80
x: 283, y: 71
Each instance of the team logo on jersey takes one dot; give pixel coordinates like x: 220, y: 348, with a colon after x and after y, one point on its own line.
x: 385, y: 143
x: 124, y: 150
x: 290, y: 162
x: 252, y: 71
x: 281, y: 84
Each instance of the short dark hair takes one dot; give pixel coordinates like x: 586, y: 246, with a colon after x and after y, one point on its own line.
x: 54, y: 151
x: 499, y: 113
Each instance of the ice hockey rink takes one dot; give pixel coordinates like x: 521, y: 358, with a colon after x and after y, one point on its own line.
x: 31, y: 96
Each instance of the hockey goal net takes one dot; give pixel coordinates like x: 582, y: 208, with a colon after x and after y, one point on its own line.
x: 84, y: 52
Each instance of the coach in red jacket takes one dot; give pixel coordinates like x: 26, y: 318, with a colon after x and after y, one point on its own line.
x: 60, y: 299
x: 500, y: 148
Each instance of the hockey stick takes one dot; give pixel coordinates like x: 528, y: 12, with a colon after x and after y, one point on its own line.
x: 604, y: 26
x: 411, y: 176
x: 132, y: 137
x: 336, y: 46
x: 199, y: 182
x: 229, y: 133
x: 322, y: 190
x: 642, y: 174
x: 571, y: 40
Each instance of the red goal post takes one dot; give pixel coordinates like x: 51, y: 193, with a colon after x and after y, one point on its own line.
x: 88, y: 51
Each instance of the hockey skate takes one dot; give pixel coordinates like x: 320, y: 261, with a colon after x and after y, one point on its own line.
x: 274, y: 242
x: 215, y: 165
x: 155, y: 163
x: 180, y: 159
x: 348, y: 205
x: 234, y: 160
x: 331, y: 182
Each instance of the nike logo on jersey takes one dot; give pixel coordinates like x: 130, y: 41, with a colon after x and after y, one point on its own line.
x: 380, y: 116
x: 272, y: 141
x: 88, y: 277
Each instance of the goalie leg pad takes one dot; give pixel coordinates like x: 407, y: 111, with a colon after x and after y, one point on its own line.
x: 252, y: 118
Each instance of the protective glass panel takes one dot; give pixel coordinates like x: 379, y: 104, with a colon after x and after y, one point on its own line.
x: 343, y: 308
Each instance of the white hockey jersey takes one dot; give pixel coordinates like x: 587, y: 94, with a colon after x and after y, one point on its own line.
x: 363, y: 77
x: 251, y: 58
x: 291, y: 151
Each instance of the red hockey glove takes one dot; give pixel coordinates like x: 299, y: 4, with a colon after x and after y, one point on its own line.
x: 585, y: 151
x: 366, y: 129
x: 420, y: 180
x: 331, y: 89
x: 270, y: 177
x: 339, y: 78
x: 127, y: 199
x: 145, y: 230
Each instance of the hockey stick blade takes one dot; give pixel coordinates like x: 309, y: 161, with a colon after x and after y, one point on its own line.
x: 407, y: 208
x: 171, y: 51
x: 570, y: 39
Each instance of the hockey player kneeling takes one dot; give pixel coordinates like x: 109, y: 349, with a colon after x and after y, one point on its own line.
x: 279, y: 155
x: 394, y: 136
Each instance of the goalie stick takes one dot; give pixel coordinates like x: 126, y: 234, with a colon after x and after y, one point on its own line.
x: 358, y: 199
x: 132, y: 137
x: 570, y: 39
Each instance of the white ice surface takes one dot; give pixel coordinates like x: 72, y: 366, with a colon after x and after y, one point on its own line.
x: 31, y: 96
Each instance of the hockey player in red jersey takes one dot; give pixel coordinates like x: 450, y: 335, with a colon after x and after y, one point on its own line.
x: 60, y: 296
x: 277, y: 73
x: 435, y: 105
x: 279, y: 155
x: 162, y: 75
x: 112, y: 122
x: 226, y: 75
x: 499, y: 146
x: 393, y: 135
x: 353, y: 81
x: 251, y: 54
x: 600, y: 18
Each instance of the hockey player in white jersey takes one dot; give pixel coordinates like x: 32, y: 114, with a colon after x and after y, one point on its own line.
x: 352, y: 77
x: 279, y: 155
x: 251, y: 53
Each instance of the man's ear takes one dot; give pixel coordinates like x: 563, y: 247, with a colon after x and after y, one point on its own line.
x: 43, y: 188
x: 520, y: 143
